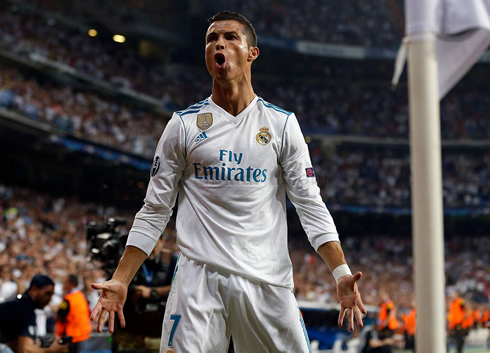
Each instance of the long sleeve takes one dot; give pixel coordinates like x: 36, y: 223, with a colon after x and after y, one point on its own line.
x: 168, y: 165
x: 302, y: 188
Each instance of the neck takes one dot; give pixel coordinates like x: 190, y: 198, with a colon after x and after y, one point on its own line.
x: 233, y: 96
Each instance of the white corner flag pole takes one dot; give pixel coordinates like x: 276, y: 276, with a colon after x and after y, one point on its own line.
x: 427, y: 210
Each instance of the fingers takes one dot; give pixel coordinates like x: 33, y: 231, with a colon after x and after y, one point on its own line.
x: 104, y: 286
x: 96, y: 312
x: 341, y: 316
x: 350, y: 317
x: 111, y: 321
x: 357, y: 276
x: 122, y: 320
x: 102, y: 316
x: 96, y: 286
x: 358, y: 314
x: 360, y: 304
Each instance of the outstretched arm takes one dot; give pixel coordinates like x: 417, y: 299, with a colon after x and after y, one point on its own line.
x: 317, y: 222
x: 27, y: 345
x: 347, y: 291
x: 149, y: 223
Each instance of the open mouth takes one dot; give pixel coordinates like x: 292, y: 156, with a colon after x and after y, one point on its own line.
x: 220, y: 59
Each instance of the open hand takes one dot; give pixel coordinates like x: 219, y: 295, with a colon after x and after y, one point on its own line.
x: 350, y: 300
x: 111, y: 301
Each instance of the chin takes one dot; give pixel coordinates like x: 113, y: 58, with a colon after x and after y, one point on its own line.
x: 222, y: 76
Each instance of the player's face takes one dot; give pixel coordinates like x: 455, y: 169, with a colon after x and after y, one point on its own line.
x: 228, y: 55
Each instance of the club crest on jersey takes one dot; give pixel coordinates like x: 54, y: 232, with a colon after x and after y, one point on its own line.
x: 170, y: 350
x: 264, y: 136
x: 204, y: 121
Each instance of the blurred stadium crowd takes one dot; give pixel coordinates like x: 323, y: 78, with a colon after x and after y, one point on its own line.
x: 359, y: 177
x: 40, y: 233
x: 121, y: 67
x: 81, y: 113
x: 367, y: 24
x: 368, y: 110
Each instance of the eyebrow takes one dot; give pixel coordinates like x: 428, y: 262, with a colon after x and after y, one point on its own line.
x: 229, y: 32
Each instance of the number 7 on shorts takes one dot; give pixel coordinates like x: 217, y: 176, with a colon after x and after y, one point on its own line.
x: 176, y: 319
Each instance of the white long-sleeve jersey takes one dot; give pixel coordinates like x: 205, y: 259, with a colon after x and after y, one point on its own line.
x: 232, y: 174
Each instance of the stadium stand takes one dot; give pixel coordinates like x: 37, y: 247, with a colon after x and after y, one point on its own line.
x: 81, y: 113
x: 355, y: 177
x: 367, y: 24
x: 57, y: 226
x: 363, y: 109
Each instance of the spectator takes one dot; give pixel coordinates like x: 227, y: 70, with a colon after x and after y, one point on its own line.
x: 73, y: 317
x: 8, y: 287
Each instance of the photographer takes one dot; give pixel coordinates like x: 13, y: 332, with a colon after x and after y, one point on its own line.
x: 370, y: 342
x: 18, y: 319
x: 147, y: 296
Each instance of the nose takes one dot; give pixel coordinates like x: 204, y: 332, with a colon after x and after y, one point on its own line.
x: 219, y: 44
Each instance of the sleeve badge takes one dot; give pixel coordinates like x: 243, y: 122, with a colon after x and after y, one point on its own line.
x: 204, y: 121
x: 310, y: 172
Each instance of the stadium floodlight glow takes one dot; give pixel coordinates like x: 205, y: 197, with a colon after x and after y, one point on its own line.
x: 119, y: 38
x: 92, y: 32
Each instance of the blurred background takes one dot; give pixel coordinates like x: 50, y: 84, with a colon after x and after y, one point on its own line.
x: 86, y: 89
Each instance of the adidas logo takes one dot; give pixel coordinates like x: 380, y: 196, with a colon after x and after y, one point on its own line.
x: 201, y: 137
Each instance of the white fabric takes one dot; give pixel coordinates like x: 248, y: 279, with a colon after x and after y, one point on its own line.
x: 456, y: 55
x: 8, y: 289
x: 457, y: 52
x: 446, y: 17
x: 41, y: 317
x: 341, y: 271
x: 235, y: 219
x: 206, y: 306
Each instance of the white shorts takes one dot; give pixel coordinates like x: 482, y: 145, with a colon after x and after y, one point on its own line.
x: 205, y: 307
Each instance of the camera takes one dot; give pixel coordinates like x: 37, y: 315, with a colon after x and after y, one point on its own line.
x: 65, y: 340
x: 106, y: 243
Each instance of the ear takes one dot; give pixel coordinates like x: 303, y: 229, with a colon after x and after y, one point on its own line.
x: 253, y: 53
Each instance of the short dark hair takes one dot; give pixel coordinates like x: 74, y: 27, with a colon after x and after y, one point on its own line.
x: 73, y: 280
x: 249, y: 30
x: 40, y: 281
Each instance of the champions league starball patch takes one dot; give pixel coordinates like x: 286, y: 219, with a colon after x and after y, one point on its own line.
x: 156, y: 166
x: 310, y: 172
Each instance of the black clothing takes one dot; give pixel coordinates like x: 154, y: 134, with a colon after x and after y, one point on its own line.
x: 145, y: 316
x: 410, y: 342
x: 366, y: 336
x: 155, y: 273
x: 63, y: 311
x: 17, y: 318
x: 459, y: 335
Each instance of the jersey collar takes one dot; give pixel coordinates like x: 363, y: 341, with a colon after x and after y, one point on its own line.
x: 231, y: 118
